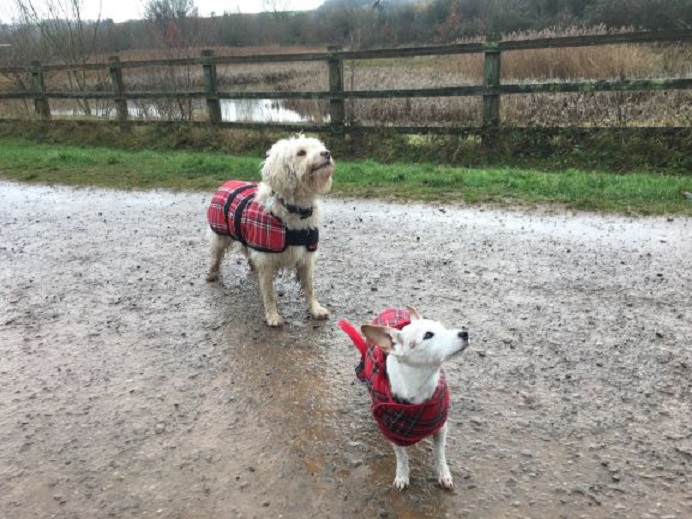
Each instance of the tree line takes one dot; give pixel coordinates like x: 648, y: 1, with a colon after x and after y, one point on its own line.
x: 174, y: 25
x: 376, y: 23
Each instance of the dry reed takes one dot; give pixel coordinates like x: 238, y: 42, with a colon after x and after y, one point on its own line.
x: 610, y: 62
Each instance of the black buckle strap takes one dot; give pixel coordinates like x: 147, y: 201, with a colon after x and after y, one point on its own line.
x: 231, y: 197
x: 304, y: 237
x: 303, y: 212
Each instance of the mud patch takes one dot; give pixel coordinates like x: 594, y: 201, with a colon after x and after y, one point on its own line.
x: 129, y: 387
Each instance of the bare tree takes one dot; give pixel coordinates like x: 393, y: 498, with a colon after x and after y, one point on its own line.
x: 56, y: 32
x: 279, y: 8
x: 175, y: 27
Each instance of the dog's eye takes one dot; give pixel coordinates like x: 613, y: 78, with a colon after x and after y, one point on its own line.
x: 301, y: 153
x: 428, y: 335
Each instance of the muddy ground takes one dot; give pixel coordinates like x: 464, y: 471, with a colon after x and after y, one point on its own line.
x: 130, y: 387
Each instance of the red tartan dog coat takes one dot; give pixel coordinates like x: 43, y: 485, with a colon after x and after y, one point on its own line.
x: 402, y: 423
x: 234, y: 212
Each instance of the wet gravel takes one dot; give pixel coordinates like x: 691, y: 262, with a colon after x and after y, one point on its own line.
x: 130, y: 387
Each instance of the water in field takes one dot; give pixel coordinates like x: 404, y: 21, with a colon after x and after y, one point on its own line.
x: 270, y: 111
x: 232, y: 110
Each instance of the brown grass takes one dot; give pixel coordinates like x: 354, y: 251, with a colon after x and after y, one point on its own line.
x: 149, y: 54
x: 541, y: 65
x: 610, y: 62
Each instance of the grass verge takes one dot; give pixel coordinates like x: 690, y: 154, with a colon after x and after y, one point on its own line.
x: 636, y: 193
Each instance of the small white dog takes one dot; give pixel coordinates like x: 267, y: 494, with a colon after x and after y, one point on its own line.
x: 401, y: 365
x: 275, y: 223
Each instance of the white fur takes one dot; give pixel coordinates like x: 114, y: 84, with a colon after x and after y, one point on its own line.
x: 296, y: 172
x: 413, y: 368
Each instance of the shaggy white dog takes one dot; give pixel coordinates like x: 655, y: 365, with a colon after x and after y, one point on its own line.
x: 285, y: 204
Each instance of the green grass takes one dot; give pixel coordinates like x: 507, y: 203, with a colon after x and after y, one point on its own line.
x: 635, y: 193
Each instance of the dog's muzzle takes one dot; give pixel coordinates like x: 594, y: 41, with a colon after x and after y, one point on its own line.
x: 464, y: 336
x: 326, y: 162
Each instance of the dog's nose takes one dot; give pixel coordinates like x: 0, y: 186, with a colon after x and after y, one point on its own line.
x: 464, y: 335
x: 326, y: 154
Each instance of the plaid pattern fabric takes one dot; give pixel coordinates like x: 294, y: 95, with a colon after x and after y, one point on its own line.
x: 234, y: 212
x: 401, y: 423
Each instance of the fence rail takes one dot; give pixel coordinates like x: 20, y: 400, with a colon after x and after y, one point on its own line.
x: 491, y: 90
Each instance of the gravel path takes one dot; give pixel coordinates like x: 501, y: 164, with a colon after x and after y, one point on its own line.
x: 129, y: 387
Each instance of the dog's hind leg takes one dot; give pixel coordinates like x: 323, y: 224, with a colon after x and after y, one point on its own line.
x: 442, y: 473
x: 401, y: 480
x: 305, y: 272
x: 218, y: 246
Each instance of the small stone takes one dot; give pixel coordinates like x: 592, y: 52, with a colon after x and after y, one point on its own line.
x: 356, y: 463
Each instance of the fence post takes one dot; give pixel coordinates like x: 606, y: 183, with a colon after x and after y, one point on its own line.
x: 337, y: 112
x: 213, y: 104
x: 116, y: 73
x: 39, y: 86
x: 491, y: 101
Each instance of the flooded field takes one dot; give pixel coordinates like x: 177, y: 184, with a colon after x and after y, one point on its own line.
x: 232, y: 110
x: 130, y: 387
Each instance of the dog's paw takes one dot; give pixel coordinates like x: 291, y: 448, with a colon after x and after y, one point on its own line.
x: 212, y: 275
x: 274, y: 320
x: 401, y: 482
x: 319, y: 312
x: 445, y: 480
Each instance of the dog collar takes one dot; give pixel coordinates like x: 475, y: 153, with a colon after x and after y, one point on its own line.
x: 303, y: 212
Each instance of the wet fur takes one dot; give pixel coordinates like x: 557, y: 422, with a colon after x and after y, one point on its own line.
x: 288, y: 174
x: 413, y: 370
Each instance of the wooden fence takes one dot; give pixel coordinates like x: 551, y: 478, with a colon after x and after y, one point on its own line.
x: 491, y: 90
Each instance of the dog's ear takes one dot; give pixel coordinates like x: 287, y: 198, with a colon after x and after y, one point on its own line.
x: 382, y: 336
x: 278, y: 169
x: 415, y: 316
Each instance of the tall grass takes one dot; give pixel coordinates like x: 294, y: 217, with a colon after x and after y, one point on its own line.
x: 609, y: 62
x: 580, y: 109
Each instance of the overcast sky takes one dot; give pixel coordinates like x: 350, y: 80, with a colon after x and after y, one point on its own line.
x: 121, y: 10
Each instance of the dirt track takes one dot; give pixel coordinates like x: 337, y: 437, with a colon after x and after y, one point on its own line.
x: 129, y: 387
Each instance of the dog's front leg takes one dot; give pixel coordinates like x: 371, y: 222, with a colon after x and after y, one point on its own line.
x: 305, y: 272
x: 402, y: 471
x: 266, y: 282
x: 442, y: 472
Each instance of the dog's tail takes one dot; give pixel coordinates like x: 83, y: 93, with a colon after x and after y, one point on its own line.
x: 354, y: 335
